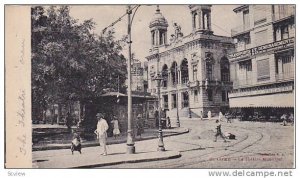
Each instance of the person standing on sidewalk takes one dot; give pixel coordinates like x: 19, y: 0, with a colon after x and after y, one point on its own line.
x: 168, y: 122
x: 102, y: 127
x: 220, y: 116
x: 116, y: 130
x: 219, y: 131
x: 139, y: 126
x: 284, y: 119
x: 209, y: 115
x: 201, y: 115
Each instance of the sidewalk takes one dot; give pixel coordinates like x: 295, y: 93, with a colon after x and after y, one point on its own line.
x: 148, y: 134
x: 90, y: 157
x: 90, y: 160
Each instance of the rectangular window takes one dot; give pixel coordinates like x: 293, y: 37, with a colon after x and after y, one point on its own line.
x: 174, y: 104
x: 165, y: 101
x: 263, y: 70
x: 196, y: 96
x: 287, y: 66
x: 223, y: 95
x: 245, y: 73
x: 185, y: 99
x: 260, y: 37
x: 210, y: 95
x: 284, y: 32
x: 260, y: 14
x: 195, y: 72
x: 246, y: 19
x: 247, y: 39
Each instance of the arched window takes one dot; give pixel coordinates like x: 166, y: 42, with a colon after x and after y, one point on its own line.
x: 165, y: 76
x: 225, y: 69
x: 184, y: 71
x: 205, y: 21
x: 174, y: 73
x: 152, y: 37
x: 196, y: 21
x: 209, y: 66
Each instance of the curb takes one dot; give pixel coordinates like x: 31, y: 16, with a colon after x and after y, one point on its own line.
x: 111, y: 143
x: 177, y: 155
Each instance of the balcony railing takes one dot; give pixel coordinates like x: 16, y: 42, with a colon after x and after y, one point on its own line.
x: 284, y: 12
x: 284, y: 76
x: 240, y: 29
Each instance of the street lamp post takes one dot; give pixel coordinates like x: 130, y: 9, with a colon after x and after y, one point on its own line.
x: 177, y: 110
x: 130, y: 142
x: 189, y: 104
x: 160, y: 134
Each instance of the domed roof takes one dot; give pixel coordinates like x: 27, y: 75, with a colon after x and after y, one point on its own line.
x: 158, y: 19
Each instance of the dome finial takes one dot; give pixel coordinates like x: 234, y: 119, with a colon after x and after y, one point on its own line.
x: 157, y: 10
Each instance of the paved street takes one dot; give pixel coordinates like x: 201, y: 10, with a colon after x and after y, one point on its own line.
x: 257, y: 145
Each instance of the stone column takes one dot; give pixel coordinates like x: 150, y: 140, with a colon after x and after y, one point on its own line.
x: 193, y: 20
x: 166, y: 37
x: 179, y: 100
x: 179, y: 76
x: 169, y: 101
x: 169, y: 83
x: 200, y: 19
x: 156, y: 37
x: 208, y: 21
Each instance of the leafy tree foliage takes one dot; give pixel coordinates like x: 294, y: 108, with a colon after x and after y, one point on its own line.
x: 69, y: 61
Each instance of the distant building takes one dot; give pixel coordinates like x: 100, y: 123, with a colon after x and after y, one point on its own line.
x: 262, y: 68
x: 145, y: 77
x: 194, y: 67
x: 137, y: 73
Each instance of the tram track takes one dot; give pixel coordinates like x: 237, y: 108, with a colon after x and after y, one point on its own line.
x: 186, y: 162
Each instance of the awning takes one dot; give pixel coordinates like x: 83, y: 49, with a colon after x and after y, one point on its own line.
x: 274, y: 100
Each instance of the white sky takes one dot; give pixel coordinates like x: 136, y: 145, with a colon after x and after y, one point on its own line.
x: 223, y: 19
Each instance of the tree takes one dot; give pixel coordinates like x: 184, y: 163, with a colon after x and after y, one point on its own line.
x: 69, y: 61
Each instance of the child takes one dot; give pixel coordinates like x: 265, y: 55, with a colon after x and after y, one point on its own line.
x: 76, y: 143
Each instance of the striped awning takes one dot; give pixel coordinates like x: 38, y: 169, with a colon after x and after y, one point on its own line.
x: 273, y: 100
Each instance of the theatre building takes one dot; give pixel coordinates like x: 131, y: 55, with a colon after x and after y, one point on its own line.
x: 194, y: 68
x: 262, y: 68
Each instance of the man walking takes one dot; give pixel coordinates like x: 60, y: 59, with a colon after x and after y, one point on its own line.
x: 219, y: 131
x: 102, y: 127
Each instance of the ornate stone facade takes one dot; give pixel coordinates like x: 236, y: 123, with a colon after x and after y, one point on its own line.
x: 194, y: 68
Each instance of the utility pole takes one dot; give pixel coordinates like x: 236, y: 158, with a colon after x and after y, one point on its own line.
x: 130, y: 142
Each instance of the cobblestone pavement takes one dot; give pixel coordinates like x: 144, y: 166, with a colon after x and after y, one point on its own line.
x: 257, y: 145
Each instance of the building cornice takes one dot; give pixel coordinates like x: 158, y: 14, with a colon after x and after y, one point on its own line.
x: 240, y: 8
x: 188, y: 41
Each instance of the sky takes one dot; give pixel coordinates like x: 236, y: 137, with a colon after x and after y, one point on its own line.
x: 223, y: 20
